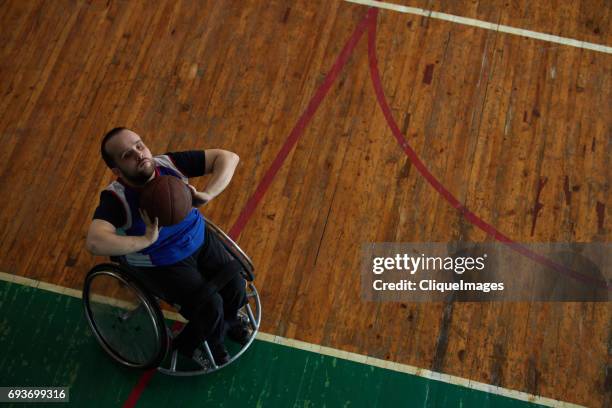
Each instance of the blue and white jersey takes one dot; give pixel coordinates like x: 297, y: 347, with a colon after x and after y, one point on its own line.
x: 119, y: 205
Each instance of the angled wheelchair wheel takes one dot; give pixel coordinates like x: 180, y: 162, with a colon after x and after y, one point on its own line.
x: 125, y: 319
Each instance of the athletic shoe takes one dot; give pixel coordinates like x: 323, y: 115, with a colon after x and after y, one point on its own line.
x: 240, y: 331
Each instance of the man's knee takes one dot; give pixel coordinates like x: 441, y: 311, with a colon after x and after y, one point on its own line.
x: 212, y: 299
x: 234, y: 293
x: 202, y: 301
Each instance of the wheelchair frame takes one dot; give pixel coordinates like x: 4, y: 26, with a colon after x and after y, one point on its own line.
x: 148, y: 302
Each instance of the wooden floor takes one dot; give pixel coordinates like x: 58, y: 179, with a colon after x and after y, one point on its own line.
x: 518, y: 129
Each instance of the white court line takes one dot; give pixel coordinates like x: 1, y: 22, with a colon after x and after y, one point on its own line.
x: 331, y: 352
x: 485, y: 24
x: 77, y: 293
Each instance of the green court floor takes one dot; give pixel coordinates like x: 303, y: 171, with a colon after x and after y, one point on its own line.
x: 46, y: 342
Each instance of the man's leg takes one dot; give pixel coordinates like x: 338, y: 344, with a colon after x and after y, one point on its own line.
x: 206, y: 322
x: 234, y: 297
x: 219, y: 266
x: 183, y: 284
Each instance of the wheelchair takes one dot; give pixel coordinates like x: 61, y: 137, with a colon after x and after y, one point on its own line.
x: 124, y: 312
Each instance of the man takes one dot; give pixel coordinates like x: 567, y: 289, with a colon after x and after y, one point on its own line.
x: 190, y: 267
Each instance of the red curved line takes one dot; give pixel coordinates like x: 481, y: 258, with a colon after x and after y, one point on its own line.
x: 436, y: 184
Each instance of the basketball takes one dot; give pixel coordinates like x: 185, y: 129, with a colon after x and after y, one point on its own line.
x: 167, y: 198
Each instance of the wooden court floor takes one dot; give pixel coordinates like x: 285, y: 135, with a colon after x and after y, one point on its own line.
x: 517, y: 129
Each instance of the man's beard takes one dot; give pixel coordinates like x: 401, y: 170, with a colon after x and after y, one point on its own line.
x: 140, y: 177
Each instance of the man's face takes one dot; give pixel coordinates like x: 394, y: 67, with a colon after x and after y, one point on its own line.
x: 132, y: 157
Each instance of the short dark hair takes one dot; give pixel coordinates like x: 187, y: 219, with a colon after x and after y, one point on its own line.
x: 105, y: 155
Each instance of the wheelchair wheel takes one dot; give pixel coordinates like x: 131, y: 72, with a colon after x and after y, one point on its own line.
x: 126, y: 321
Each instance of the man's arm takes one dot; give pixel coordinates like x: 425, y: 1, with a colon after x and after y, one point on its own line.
x: 103, y: 240
x: 221, y: 165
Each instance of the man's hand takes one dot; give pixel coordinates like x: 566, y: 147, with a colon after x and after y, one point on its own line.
x: 152, y: 231
x: 199, y: 198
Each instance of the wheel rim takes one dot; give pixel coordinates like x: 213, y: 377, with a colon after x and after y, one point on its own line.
x: 123, y: 319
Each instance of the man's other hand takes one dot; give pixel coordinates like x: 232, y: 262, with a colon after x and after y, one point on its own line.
x: 199, y: 198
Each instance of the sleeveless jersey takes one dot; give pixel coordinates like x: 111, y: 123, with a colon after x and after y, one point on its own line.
x: 175, y: 242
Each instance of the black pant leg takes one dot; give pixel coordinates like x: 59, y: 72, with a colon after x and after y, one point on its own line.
x: 234, y: 297
x: 183, y: 284
x: 206, y: 323
x: 219, y: 266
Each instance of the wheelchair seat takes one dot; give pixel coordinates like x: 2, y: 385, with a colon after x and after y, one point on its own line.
x: 123, y: 310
